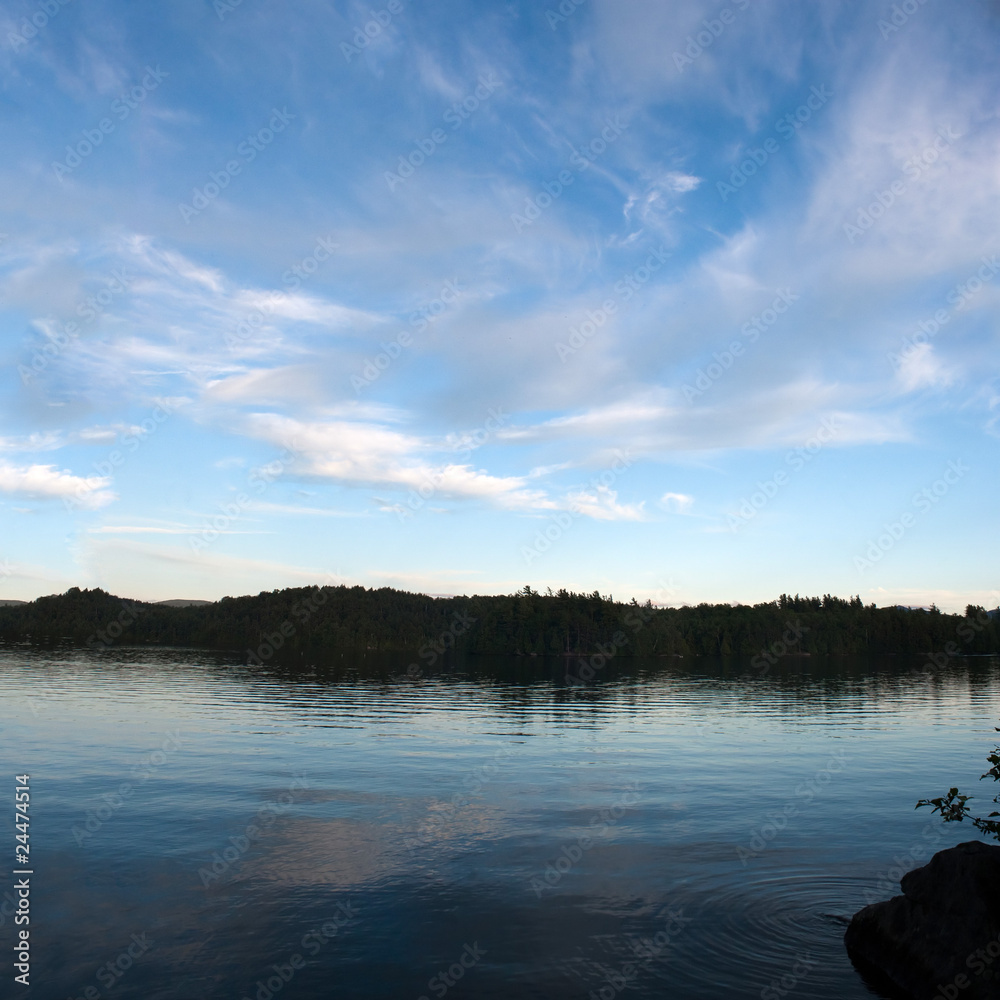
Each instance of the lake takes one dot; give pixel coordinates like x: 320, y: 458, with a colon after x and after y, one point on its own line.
x: 680, y: 828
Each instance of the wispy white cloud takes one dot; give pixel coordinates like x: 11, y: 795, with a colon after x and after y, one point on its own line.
x: 263, y: 363
x: 677, y: 503
x: 115, y: 562
x: 921, y: 368
x: 46, y: 482
x: 657, y: 423
x: 601, y: 503
x: 38, y: 442
x: 367, y: 454
x: 297, y: 511
x: 145, y: 529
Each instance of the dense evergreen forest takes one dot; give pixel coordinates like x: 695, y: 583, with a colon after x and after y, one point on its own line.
x: 324, y: 619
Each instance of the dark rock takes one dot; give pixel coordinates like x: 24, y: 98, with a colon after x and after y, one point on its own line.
x: 940, y: 940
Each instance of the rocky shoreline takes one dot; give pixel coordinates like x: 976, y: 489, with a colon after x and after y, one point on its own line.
x: 939, y: 940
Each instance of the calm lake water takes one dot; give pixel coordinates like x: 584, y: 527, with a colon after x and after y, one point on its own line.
x: 685, y: 828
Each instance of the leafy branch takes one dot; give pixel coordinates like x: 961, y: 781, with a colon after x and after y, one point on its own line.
x: 953, y: 808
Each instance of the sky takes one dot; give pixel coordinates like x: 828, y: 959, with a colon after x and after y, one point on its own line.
x: 677, y: 301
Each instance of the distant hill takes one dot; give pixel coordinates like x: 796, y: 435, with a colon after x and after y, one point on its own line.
x: 310, y: 620
x: 9, y: 604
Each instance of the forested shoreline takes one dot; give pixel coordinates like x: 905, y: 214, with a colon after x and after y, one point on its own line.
x: 323, y: 619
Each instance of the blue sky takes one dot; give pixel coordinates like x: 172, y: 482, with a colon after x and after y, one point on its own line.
x: 685, y: 301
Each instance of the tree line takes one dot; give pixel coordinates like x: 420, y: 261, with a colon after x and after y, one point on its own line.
x: 324, y: 619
